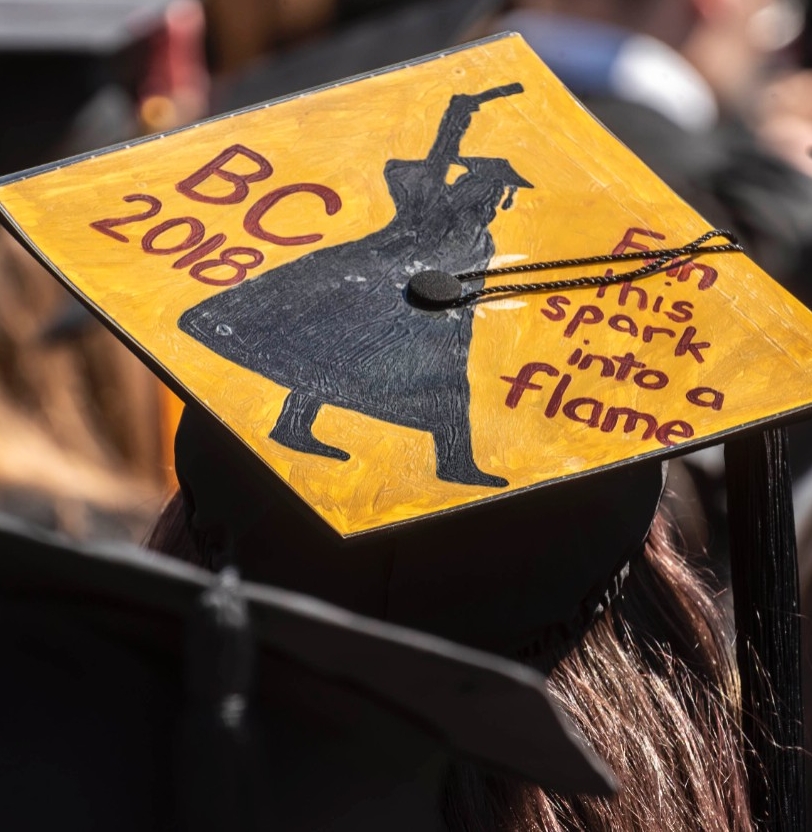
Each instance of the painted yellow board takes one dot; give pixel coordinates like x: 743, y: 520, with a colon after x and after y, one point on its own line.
x: 261, y: 259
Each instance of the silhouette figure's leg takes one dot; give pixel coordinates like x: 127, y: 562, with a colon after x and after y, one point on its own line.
x: 293, y: 426
x: 455, y: 458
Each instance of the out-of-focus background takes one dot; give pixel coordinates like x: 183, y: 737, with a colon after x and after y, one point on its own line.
x: 716, y: 95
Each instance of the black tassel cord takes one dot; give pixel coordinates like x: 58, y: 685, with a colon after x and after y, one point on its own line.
x: 764, y: 574
x: 440, y: 290
x: 222, y: 783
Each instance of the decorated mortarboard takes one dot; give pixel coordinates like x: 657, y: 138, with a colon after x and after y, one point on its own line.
x: 265, y: 263
x: 142, y: 692
x: 357, y: 284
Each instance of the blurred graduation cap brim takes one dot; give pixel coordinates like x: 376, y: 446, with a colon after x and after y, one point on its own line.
x: 87, y: 26
x: 491, y: 710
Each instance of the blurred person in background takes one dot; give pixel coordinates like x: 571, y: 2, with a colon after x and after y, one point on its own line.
x: 785, y: 118
x: 676, y: 80
x: 784, y: 109
x: 241, y: 31
x: 82, y: 448
x: 295, y: 46
x: 244, y: 33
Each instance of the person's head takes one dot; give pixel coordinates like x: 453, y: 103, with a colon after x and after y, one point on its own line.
x: 650, y: 684
x: 642, y: 667
x: 726, y: 40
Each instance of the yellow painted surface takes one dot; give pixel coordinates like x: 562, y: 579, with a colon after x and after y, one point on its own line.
x: 750, y: 341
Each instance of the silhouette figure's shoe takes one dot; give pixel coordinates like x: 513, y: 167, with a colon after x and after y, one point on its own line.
x: 472, y: 476
x: 307, y: 443
x: 455, y: 457
x: 293, y: 427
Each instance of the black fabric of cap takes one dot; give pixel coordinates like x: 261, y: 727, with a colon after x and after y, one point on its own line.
x: 523, y: 569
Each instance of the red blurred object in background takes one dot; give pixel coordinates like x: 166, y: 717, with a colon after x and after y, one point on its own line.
x: 175, y: 89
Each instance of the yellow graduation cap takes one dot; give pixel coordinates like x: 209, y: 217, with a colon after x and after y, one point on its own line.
x: 261, y: 262
x: 333, y: 276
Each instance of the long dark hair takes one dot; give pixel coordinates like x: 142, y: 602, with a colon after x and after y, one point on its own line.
x: 653, y: 689
x: 651, y: 686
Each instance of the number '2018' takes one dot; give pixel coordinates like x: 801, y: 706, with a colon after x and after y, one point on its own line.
x: 195, y: 247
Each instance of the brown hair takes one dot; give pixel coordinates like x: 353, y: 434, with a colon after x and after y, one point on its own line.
x: 653, y: 690
x: 170, y: 534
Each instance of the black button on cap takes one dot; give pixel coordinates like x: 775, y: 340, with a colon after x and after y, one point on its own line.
x: 433, y: 290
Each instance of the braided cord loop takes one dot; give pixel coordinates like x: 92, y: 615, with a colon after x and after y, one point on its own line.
x: 659, y: 259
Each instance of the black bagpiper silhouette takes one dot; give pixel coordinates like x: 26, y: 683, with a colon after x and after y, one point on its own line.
x: 335, y: 326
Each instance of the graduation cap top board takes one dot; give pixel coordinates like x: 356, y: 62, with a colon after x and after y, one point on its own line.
x: 261, y: 261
